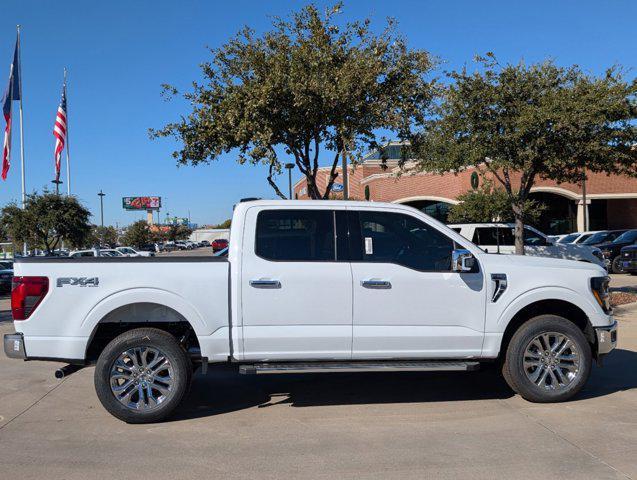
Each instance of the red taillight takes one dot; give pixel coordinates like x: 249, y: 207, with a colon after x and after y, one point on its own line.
x: 26, y: 295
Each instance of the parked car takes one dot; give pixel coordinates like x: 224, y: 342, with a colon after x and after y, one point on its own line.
x: 612, y: 250
x: 577, y: 237
x: 604, y: 236
x: 629, y: 259
x: 205, y: 243
x: 181, y: 246
x: 499, y: 238
x: 310, y: 286
x: 106, y: 252
x: 219, y: 244
x: 6, y: 277
x: 6, y: 264
x: 131, y: 252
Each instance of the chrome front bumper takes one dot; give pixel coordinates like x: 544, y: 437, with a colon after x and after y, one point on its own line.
x: 606, y: 338
x: 14, y: 346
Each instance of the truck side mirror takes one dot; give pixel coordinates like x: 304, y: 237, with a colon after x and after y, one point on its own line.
x: 462, y: 261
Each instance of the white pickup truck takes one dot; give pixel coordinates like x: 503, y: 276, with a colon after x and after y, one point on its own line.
x: 313, y: 286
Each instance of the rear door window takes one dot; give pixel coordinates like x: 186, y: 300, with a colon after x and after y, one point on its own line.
x: 296, y: 235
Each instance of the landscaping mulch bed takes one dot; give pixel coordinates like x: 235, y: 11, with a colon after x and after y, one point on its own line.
x: 622, y: 298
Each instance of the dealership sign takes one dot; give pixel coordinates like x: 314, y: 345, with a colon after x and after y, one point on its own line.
x: 337, y: 187
x: 141, y: 203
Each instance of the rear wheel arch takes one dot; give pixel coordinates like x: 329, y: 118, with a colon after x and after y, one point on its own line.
x: 140, y: 315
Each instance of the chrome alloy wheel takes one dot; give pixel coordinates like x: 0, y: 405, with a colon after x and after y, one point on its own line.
x: 142, y: 378
x: 551, y: 361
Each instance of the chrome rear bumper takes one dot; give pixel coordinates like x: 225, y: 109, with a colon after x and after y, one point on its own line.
x: 14, y: 346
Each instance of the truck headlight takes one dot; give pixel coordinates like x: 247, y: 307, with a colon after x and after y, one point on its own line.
x: 599, y: 287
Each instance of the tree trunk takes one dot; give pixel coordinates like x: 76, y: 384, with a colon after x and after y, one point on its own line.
x: 519, y: 229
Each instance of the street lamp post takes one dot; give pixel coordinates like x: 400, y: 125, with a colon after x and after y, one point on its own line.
x: 290, y: 166
x: 101, y: 195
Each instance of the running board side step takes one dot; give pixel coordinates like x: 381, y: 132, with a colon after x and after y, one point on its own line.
x: 387, y: 366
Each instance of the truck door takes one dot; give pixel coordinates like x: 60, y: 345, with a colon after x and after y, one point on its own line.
x: 407, y: 301
x: 296, y: 293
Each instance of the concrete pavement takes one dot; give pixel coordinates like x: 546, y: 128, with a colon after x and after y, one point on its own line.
x: 329, y: 426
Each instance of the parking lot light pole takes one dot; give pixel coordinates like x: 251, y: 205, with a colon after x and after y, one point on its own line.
x: 290, y: 166
x: 101, y: 195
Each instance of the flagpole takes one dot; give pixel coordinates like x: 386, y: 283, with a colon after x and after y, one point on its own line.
x: 68, y: 155
x: 24, y: 194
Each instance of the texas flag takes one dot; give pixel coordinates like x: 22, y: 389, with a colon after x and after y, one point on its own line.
x: 11, y: 93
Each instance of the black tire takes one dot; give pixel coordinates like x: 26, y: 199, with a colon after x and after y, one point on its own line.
x: 616, y: 265
x: 514, y: 371
x: 180, y: 374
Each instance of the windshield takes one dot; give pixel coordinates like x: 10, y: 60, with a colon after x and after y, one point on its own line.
x: 627, y: 237
x: 127, y: 250
x: 598, y: 237
x: 569, y: 238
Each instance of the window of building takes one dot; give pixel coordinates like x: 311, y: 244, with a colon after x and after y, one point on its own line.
x: 397, y: 238
x: 295, y: 235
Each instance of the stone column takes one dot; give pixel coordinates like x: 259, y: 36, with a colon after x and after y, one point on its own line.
x: 581, y: 211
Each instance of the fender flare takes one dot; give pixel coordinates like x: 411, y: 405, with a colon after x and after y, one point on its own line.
x: 546, y: 293
x: 158, y: 296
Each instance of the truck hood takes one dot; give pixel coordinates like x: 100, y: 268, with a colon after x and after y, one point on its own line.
x: 542, y: 262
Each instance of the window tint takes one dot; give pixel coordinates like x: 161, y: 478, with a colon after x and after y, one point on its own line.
x: 533, y: 238
x: 489, y: 236
x: 397, y: 238
x: 295, y: 235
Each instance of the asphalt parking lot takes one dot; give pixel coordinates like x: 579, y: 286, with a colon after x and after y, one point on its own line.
x: 320, y: 426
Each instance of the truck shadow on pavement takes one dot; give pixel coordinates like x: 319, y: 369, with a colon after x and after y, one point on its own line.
x: 224, y: 390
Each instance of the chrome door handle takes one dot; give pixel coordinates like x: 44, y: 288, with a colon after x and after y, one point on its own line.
x: 377, y: 284
x: 263, y: 283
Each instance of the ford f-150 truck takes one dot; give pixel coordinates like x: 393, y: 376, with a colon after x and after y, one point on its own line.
x: 313, y: 286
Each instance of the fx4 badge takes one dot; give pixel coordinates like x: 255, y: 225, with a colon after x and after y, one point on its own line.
x: 78, y: 281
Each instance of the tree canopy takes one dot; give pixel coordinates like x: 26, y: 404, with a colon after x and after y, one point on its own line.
x: 47, y: 219
x: 520, y: 123
x: 309, y: 86
x: 489, y: 204
x: 137, y: 234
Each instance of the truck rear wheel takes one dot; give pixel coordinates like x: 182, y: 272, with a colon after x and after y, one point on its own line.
x: 547, y: 360
x: 142, y: 375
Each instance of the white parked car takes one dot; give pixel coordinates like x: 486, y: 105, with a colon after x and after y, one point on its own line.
x: 102, y: 252
x: 499, y: 238
x: 310, y: 286
x: 577, y: 237
x: 131, y: 252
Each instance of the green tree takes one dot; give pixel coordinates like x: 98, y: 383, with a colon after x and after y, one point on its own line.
x: 46, y: 220
x: 309, y: 86
x: 104, y: 235
x: 137, y: 234
x: 521, y: 123
x: 178, y: 232
x: 488, y: 204
x: 223, y: 225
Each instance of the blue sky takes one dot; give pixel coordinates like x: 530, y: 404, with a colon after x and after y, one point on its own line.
x: 119, y: 53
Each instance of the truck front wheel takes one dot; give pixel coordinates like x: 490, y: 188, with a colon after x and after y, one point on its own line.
x: 547, y: 360
x: 142, y: 375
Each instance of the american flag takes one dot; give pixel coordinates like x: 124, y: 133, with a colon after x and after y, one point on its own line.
x: 13, y: 92
x: 59, y: 132
x: 6, y: 110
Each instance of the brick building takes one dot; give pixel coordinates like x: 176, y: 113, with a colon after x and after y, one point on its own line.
x: 611, y: 200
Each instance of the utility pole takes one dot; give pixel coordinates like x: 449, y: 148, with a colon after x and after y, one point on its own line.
x: 101, y: 195
x: 289, y: 167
